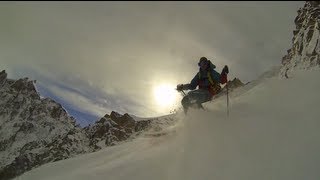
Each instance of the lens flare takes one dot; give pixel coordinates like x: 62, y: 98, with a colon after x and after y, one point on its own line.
x: 165, y: 95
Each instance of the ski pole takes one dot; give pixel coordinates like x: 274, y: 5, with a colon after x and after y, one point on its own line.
x: 227, y: 100
x: 183, y: 93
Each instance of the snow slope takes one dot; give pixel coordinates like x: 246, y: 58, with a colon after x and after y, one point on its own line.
x: 272, y: 132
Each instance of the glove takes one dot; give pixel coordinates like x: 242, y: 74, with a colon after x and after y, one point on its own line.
x: 225, y: 70
x: 179, y: 87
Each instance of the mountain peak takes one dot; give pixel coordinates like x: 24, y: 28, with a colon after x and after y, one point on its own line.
x: 34, y: 131
x: 305, y: 51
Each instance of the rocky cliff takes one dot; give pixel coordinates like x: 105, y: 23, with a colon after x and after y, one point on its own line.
x: 305, y: 51
x: 33, y: 130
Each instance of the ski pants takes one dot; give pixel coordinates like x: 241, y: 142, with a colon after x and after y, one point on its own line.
x: 195, y: 97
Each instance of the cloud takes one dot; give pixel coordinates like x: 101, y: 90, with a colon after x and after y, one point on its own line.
x: 121, y: 50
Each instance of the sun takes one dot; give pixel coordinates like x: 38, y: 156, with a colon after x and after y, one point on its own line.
x: 165, y: 95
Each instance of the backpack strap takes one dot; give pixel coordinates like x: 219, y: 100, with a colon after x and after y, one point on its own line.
x: 215, y: 86
x: 210, y: 79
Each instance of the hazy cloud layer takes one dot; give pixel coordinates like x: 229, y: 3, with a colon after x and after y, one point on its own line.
x: 118, y: 51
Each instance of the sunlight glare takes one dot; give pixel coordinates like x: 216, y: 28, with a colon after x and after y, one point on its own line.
x: 165, y: 95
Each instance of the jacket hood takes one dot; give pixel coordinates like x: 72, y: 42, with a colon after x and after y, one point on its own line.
x: 212, y: 65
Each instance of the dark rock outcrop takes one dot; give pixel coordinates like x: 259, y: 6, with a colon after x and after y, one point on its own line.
x: 114, y: 128
x: 3, y: 77
x: 235, y: 83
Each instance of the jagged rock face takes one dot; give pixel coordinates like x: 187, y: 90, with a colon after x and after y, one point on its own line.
x: 125, y: 121
x: 305, y: 51
x: 114, y: 128
x: 34, y: 131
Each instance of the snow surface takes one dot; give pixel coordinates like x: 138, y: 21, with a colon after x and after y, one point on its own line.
x: 272, y: 132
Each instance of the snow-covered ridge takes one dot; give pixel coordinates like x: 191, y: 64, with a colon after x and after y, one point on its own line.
x: 305, y: 51
x: 35, y: 130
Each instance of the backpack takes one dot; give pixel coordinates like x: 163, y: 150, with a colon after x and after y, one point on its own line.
x: 214, y: 87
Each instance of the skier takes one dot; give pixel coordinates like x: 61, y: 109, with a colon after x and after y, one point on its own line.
x: 208, y: 81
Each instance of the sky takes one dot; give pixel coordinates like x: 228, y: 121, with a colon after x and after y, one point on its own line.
x: 262, y: 138
x: 95, y: 57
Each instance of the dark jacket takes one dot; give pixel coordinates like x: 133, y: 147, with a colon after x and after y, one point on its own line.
x: 201, y: 79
